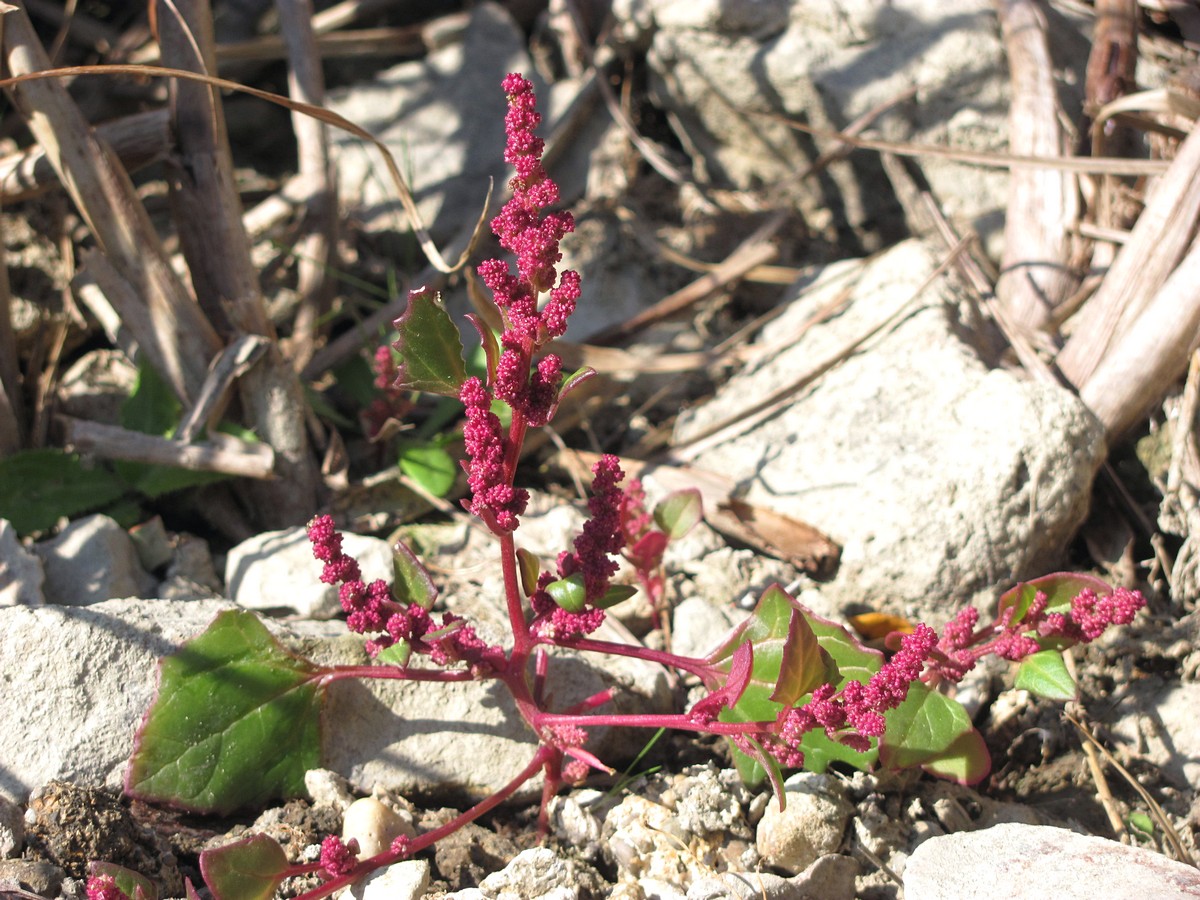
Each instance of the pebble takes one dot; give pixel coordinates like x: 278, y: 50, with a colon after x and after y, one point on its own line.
x: 811, y: 825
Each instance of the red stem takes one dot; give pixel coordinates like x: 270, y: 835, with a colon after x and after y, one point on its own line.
x: 699, y: 668
x: 330, y: 674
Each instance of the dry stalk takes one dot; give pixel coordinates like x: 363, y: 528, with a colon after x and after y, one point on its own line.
x: 220, y: 453
x: 1162, y: 235
x: 1035, y: 275
x: 181, y: 341
x: 217, y: 249
x: 315, y: 250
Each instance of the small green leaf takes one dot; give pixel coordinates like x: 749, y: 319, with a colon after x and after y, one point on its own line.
x: 571, y: 382
x: 569, y: 593
x: 966, y: 760
x: 922, y: 728
x: 411, y: 581
x: 679, y: 512
x: 429, y: 465
x: 396, y: 655
x: 430, y: 347
x: 528, y: 567
x: 1141, y: 825
x: 616, y: 593
x: 152, y: 408
x: 37, y: 487
x: 130, y: 883
x: 246, y: 870
x: 1046, y: 675
x: 236, y: 722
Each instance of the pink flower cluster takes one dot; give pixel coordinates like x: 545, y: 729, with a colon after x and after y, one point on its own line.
x: 857, y: 706
x: 337, y: 857
x: 531, y: 390
x: 370, y: 608
x: 104, y: 887
x: 601, y: 537
x: 393, y: 402
x: 1014, y: 637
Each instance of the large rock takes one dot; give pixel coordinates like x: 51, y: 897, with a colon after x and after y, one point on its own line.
x: 732, y: 74
x: 442, y: 118
x: 1024, y: 862
x: 21, y: 574
x: 940, y: 477
x: 276, y: 571
x: 92, y: 560
x: 78, y: 681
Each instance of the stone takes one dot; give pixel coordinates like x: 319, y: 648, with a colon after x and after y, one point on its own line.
x: 327, y: 788
x: 1024, y: 862
x: 731, y: 75
x: 43, y: 879
x: 941, y: 478
x: 1160, y: 720
x: 407, y: 880
x: 12, y: 829
x: 829, y: 878
x: 443, y: 120
x: 92, y: 560
x: 21, y: 574
x: 77, y: 683
x: 374, y: 826
x: 812, y: 824
x: 276, y: 571
x: 536, y: 872
x: 465, y: 857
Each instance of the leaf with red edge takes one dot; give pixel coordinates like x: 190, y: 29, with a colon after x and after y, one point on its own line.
x: 430, y: 347
x: 1060, y: 589
x: 246, y: 870
x: 647, y: 551
x: 528, y: 567
x: 570, y: 383
x: 412, y: 583
x: 236, y: 721
x: 488, y: 343
x: 922, y: 729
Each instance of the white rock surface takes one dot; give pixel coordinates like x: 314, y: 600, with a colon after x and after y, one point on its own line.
x: 92, y: 560
x: 77, y: 682
x: 276, y: 570
x: 1160, y: 720
x: 829, y: 878
x: 812, y: 824
x: 407, y: 880
x: 536, y: 872
x: 939, y: 477
x: 12, y: 829
x: 730, y: 74
x: 21, y: 574
x: 1026, y: 862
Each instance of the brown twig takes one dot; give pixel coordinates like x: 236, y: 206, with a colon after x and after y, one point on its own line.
x: 220, y: 453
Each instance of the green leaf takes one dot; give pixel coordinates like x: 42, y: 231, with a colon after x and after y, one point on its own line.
x: 130, y: 883
x: 1046, y: 675
x: 922, y: 728
x: 679, y: 512
x: 430, y: 347
x: 569, y: 593
x: 236, y: 722
x: 1141, y: 825
x: 616, y: 593
x: 966, y: 760
x: 487, y: 356
x: 429, y: 465
x: 37, y: 487
x: 411, y: 582
x: 396, y: 655
x: 155, y: 481
x: 1059, y: 588
x: 246, y: 870
x: 152, y: 408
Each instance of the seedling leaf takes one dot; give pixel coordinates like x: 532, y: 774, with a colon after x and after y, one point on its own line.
x: 411, y: 582
x: 430, y: 347
x: 246, y: 870
x: 679, y: 512
x: 236, y: 722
